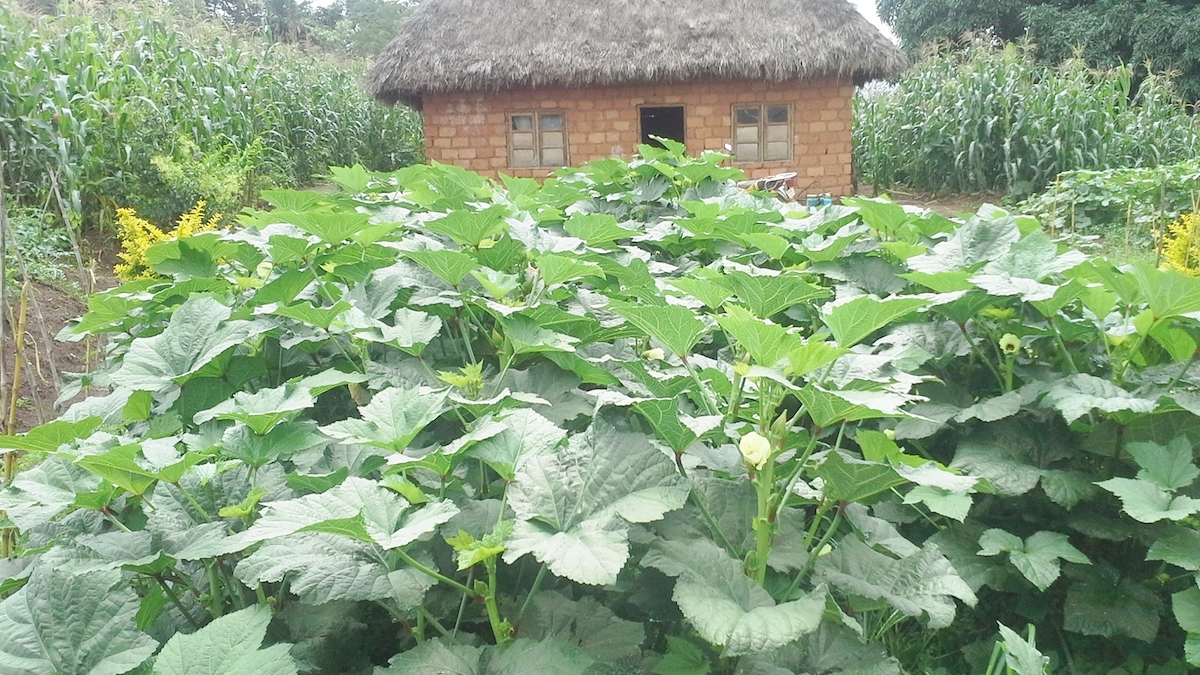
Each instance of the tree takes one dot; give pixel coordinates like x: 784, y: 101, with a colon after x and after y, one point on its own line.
x: 1160, y: 35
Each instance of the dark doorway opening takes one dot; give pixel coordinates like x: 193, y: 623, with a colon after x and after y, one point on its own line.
x: 662, y: 121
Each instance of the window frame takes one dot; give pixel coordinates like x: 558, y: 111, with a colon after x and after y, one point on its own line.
x: 681, y: 106
x: 537, y: 131
x: 762, y: 129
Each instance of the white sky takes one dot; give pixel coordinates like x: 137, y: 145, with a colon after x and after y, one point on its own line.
x: 867, y: 8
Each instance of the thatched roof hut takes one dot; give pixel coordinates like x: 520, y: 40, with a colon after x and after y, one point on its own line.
x: 490, y: 45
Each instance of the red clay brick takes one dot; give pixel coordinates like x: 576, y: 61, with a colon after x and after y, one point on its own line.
x: 602, y: 121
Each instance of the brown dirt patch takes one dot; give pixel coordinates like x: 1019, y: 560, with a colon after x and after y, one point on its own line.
x: 946, y: 205
x: 45, y: 360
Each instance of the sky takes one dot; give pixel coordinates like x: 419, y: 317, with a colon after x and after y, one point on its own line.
x: 867, y: 8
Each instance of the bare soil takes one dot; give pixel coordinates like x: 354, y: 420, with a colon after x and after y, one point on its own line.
x: 946, y: 205
x: 44, y: 360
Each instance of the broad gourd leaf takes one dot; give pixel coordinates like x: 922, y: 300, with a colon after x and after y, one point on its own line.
x: 725, y: 606
x: 230, y: 645
x: 767, y: 296
x: 47, y: 438
x: 676, y: 328
x: 1169, y: 466
x: 596, y: 228
x: 1169, y: 293
x: 556, y: 268
x: 64, y: 623
x: 449, y: 266
x: 392, y: 419
x: 706, y: 290
x: 1079, y: 394
x: 854, y: 480
x: 261, y: 410
x: 851, y: 322
x: 978, y: 241
x: 768, y: 343
x: 832, y: 649
x: 323, y: 567
x: 827, y: 408
x: 585, y: 623
x: 469, y: 228
x: 519, y: 657
x: 570, y: 503
x: 1002, y: 463
x: 1181, y: 548
x: 523, y: 335
x: 198, y: 332
x: 1106, y: 604
x: 675, y: 430
x: 526, y: 433
x: 308, y: 313
x: 358, y: 508
x: 1036, y: 558
x: 920, y: 584
x: 1148, y: 502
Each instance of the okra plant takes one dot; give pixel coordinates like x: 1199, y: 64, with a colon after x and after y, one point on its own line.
x: 626, y: 420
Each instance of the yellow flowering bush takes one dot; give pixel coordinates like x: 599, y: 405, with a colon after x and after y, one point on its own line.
x: 138, y: 235
x: 1181, y: 245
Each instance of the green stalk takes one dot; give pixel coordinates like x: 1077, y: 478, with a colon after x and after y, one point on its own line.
x: 813, y: 553
x: 501, y: 629
x: 433, y: 573
x: 791, y: 482
x: 194, y: 503
x: 533, y: 590
x: 979, y: 355
x: 1183, y: 371
x: 698, y: 500
x: 1062, y: 345
x: 174, y: 598
x: 214, y: 591
x: 764, y: 528
x: 710, y: 404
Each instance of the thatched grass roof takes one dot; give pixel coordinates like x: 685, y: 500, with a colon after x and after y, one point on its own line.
x: 481, y: 45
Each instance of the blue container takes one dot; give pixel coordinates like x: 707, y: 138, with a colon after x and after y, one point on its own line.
x: 813, y: 201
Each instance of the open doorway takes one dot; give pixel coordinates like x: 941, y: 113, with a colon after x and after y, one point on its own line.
x: 662, y: 121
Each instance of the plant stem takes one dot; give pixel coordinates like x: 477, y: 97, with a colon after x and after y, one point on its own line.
x: 501, y: 629
x: 814, y: 553
x: 697, y: 499
x: 424, y: 614
x: 434, y: 573
x: 791, y: 482
x: 1183, y: 371
x: 533, y: 590
x: 710, y: 404
x: 462, y: 604
x: 764, y: 527
x: 1062, y: 345
x: 194, y: 503
x: 174, y: 598
x: 979, y: 355
x: 19, y: 351
x: 108, y: 515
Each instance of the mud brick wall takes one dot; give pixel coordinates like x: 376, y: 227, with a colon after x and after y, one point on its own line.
x: 470, y: 129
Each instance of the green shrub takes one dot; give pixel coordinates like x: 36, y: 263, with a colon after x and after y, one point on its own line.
x: 1119, y: 202
x: 980, y: 119
x: 629, y: 420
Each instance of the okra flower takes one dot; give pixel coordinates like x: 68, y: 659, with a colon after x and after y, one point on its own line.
x: 756, y: 449
x: 656, y: 354
x: 1010, y: 344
